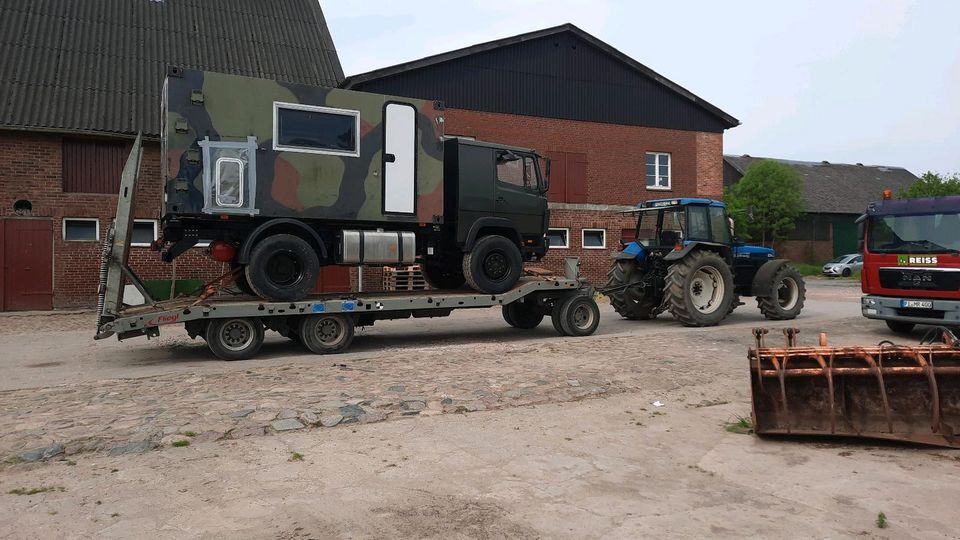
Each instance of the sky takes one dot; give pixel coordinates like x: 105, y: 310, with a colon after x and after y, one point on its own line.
x: 875, y: 82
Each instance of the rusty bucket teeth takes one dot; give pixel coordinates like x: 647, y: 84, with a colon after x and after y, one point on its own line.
x: 886, y: 391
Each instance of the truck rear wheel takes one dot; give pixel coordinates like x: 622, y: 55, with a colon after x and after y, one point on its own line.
x: 444, y: 276
x: 326, y: 334
x: 234, y: 339
x: 631, y: 303
x: 699, y: 289
x: 283, y: 267
x: 522, y: 315
x: 788, y: 295
x: 494, y: 265
x: 240, y: 280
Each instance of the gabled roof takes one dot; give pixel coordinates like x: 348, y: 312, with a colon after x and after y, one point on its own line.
x: 836, y: 188
x: 98, y: 66
x: 727, y: 120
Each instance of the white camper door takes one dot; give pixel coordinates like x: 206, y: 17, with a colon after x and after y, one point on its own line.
x: 399, y: 159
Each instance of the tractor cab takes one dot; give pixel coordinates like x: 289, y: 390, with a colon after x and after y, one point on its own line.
x: 684, y: 259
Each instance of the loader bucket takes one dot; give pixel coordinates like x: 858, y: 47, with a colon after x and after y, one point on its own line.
x: 895, y: 392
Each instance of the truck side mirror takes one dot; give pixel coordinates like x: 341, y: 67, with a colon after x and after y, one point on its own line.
x: 504, y: 156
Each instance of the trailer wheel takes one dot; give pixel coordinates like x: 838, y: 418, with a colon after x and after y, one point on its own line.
x: 494, y: 265
x: 522, y: 315
x: 326, y: 334
x: 234, y: 339
x: 788, y: 295
x: 283, y: 267
x: 699, y: 289
x: 579, y: 315
x: 555, y: 315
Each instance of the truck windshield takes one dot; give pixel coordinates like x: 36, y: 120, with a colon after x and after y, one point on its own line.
x: 668, y: 232
x: 931, y: 233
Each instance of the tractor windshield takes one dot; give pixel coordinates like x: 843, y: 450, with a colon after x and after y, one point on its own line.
x: 661, y: 228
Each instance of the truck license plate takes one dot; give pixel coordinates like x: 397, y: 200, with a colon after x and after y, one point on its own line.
x: 921, y: 304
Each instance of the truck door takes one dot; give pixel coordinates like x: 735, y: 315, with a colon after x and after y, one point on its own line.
x: 399, y: 158
x: 518, y: 196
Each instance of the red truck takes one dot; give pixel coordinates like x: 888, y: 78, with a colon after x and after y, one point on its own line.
x: 911, y: 261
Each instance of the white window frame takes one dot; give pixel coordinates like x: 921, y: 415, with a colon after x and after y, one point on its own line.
x: 567, y: 245
x: 583, y: 235
x: 155, y: 227
x: 656, y: 170
x: 277, y: 105
x: 63, y: 225
x: 216, y: 181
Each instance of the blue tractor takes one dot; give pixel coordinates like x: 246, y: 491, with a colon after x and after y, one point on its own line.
x: 685, y: 260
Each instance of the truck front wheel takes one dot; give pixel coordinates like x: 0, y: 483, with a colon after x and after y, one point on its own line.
x: 283, y: 268
x: 494, y: 265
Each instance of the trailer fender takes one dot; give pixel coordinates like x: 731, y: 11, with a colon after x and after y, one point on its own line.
x: 281, y: 225
x: 502, y: 226
x: 763, y: 279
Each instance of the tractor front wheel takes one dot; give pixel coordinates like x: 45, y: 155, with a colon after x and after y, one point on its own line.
x: 787, y: 293
x: 629, y: 301
x: 699, y: 289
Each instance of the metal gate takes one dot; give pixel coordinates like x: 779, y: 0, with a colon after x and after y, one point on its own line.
x: 26, y: 264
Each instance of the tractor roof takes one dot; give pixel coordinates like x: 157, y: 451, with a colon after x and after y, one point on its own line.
x: 681, y: 201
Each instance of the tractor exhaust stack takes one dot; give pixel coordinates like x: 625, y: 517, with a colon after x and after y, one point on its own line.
x: 887, y: 391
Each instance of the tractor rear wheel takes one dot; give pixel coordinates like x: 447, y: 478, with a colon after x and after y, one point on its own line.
x: 699, y: 289
x: 630, y: 302
x: 787, y: 295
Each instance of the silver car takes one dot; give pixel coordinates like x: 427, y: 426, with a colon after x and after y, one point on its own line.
x: 844, y: 265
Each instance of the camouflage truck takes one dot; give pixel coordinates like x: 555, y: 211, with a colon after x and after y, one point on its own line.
x: 283, y: 178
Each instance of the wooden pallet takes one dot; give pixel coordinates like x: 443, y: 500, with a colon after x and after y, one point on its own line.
x: 404, y: 278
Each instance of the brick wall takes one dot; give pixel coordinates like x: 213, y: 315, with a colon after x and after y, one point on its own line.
x: 615, y: 153
x: 31, y: 169
x: 807, y: 251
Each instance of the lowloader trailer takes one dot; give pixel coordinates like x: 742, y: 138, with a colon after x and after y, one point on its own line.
x: 234, y: 326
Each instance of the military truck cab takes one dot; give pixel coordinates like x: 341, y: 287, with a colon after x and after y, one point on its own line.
x: 282, y: 179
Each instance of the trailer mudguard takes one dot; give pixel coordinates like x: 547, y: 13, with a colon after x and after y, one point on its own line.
x: 285, y: 224
x: 763, y: 280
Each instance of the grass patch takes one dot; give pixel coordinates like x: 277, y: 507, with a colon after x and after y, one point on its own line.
x: 180, y: 444
x: 34, y: 491
x: 882, y: 521
x: 742, y: 425
x: 190, y: 433
x: 295, y: 456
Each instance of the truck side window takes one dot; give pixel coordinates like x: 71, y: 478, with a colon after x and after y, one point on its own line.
x: 315, y: 129
x: 511, y: 172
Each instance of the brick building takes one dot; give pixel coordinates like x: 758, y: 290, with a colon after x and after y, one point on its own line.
x: 616, y: 132
x: 77, y: 82
x: 834, y: 196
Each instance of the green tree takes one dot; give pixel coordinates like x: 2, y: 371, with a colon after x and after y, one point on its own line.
x: 766, y: 202
x: 932, y: 184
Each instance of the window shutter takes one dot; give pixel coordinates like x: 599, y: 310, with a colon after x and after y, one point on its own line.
x: 558, y: 177
x: 576, y: 178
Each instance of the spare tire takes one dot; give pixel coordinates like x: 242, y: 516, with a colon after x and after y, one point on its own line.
x: 494, y: 265
x: 283, y: 267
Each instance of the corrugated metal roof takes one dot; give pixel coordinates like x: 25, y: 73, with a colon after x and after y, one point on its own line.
x: 837, y: 188
x: 98, y: 66
x: 468, y: 74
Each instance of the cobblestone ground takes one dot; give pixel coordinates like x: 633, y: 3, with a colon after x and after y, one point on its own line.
x: 135, y: 415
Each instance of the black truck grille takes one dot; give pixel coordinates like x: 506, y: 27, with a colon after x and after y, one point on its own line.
x: 919, y: 279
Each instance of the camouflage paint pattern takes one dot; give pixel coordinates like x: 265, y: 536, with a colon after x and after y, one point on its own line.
x: 290, y: 183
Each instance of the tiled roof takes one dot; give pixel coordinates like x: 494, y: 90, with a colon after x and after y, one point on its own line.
x: 98, y: 65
